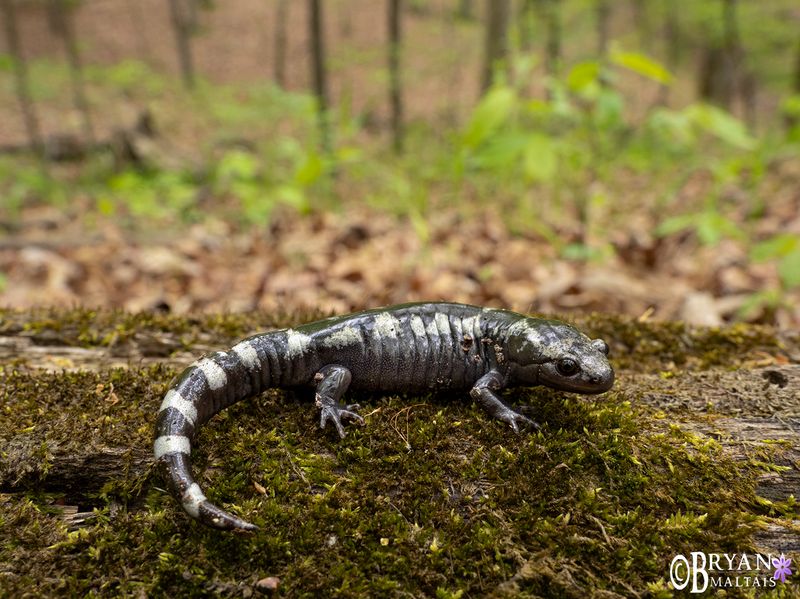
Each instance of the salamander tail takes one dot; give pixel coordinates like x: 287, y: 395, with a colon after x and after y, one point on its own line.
x: 184, y: 488
x: 209, y: 385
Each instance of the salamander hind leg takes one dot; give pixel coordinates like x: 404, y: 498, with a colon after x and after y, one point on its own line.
x: 484, y: 393
x: 332, y: 381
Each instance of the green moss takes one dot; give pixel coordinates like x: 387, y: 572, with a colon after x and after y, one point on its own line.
x: 650, y: 346
x: 106, y: 328
x: 636, y: 346
x: 431, y: 498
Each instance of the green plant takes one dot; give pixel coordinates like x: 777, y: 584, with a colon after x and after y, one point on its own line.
x: 258, y: 190
x: 790, y: 107
x: 22, y: 182
x: 784, y: 248
x: 709, y: 224
x: 149, y: 194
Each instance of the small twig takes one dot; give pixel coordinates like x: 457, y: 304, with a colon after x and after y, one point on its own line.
x: 407, y: 410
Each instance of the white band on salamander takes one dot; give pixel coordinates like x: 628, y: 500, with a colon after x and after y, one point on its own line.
x: 192, y: 499
x: 171, y: 444
x: 386, y: 326
x: 176, y: 401
x: 247, y: 354
x: 296, y: 343
x: 215, y: 376
x: 417, y: 326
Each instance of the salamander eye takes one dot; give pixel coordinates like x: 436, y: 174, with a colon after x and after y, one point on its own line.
x: 600, y: 346
x: 567, y: 366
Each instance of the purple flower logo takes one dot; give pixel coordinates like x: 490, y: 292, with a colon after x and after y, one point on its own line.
x: 782, y: 569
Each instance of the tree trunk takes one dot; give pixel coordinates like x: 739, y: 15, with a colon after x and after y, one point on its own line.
x: 641, y: 18
x: 791, y: 119
x: 720, y: 77
x: 672, y: 44
x: 180, y: 26
x: 62, y: 19
x: 553, y: 51
x: 318, y: 72
x: 496, y: 48
x: 395, y: 83
x: 526, y: 29
x: 21, y: 78
x: 796, y: 82
x: 603, y: 11
x: 732, y: 50
x: 672, y: 34
x: 281, y: 28
x: 191, y: 18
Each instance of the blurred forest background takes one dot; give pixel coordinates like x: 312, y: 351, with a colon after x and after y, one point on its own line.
x: 637, y: 156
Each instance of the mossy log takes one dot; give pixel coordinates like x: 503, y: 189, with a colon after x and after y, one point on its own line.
x: 697, y: 448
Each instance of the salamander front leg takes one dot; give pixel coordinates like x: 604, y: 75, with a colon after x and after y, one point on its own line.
x: 332, y: 381
x: 484, y: 393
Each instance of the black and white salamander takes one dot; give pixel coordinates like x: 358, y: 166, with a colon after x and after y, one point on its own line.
x: 406, y: 348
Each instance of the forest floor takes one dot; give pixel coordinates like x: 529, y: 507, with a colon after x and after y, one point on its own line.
x: 470, y: 248
x: 358, y: 257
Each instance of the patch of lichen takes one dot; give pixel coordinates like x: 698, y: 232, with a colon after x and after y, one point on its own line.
x: 430, y: 498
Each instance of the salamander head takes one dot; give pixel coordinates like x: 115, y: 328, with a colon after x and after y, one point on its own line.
x: 552, y: 353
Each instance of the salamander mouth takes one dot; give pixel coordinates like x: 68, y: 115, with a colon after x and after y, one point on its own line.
x: 583, y: 382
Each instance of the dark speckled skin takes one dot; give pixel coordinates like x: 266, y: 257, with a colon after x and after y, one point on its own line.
x: 406, y: 348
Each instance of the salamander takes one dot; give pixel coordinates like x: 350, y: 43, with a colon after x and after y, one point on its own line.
x: 408, y: 348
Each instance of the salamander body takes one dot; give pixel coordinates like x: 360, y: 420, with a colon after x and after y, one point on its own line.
x: 406, y: 348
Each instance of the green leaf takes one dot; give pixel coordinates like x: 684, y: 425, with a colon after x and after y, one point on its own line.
x: 293, y: 196
x: 256, y: 204
x: 774, y: 247
x: 721, y: 124
x: 768, y: 298
x: 712, y: 227
x: 671, y: 126
x: 789, y: 269
x: 106, y: 205
x: 675, y: 224
x: 608, y: 109
x: 579, y: 252
x: 642, y: 65
x: 789, y: 106
x: 349, y: 154
x: 708, y: 231
x: 501, y: 152
x: 420, y: 225
x: 583, y: 75
x: 237, y: 165
x: 493, y: 111
x: 310, y: 170
x: 540, y: 158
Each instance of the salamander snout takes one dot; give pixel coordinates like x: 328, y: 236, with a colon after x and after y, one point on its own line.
x: 602, y: 381
x: 579, y: 365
